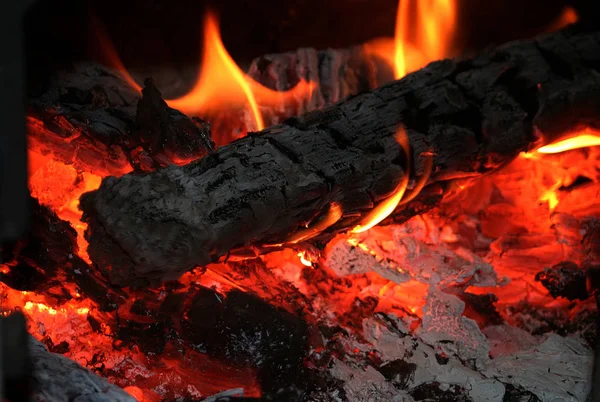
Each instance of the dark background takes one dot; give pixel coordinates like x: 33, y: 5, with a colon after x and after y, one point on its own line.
x: 168, y: 32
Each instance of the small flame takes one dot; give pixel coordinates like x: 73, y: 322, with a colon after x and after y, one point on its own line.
x: 551, y: 168
x: 304, y: 260
x: 110, y: 55
x: 422, y: 179
x: 587, y: 138
x: 333, y: 215
x: 434, y: 23
x: 385, y: 208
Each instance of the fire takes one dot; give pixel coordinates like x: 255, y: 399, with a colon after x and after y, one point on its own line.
x: 333, y: 215
x: 110, y: 55
x: 306, y: 262
x: 220, y: 85
x: 432, y: 34
x: 385, y: 208
x: 553, y: 170
x: 583, y: 139
x: 220, y: 80
x: 43, y: 308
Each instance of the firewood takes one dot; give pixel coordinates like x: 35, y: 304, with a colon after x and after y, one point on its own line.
x: 473, y: 116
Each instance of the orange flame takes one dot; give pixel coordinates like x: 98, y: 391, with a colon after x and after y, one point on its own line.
x: 583, y: 139
x: 110, y: 55
x: 385, y: 208
x: 333, y: 215
x: 434, y: 23
x: 304, y: 260
x: 221, y: 85
x: 220, y: 80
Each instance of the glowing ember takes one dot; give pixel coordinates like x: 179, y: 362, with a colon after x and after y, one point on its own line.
x: 556, y: 171
x: 59, y: 186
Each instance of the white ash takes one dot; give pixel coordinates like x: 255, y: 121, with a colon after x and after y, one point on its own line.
x: 344, y: 258
x: 444, y: 325
x: 411, y: 251
x: 559, y: 369
x: 553, y: 368
x: 367, y: 384
x: 507, y: 340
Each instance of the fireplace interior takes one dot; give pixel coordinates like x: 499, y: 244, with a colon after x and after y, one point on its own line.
x: 304, y: 201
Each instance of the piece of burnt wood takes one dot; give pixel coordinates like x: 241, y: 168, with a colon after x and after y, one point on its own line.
x: 246, y: 330
x: 35, y: 262
x: 57, y: 379
x: 473, y: 116
x: 565, y: 279
x: 91, y: 118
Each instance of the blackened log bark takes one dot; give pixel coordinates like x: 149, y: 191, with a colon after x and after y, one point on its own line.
x: 475, y: 115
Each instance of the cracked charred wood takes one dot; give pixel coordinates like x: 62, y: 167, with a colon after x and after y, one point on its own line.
x: 472, y: 116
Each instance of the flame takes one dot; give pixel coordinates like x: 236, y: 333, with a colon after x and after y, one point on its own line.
x: 568, y: 16
x: 333, y: 215
x: 434, y: 27
x: 221, y: 84
x: 306, y: 262
x: 220, y: 79
x: 381, y: 211
x: 583, y: 139
x: 110, y: 55
x: 552, y: 168
x: 422, y: 179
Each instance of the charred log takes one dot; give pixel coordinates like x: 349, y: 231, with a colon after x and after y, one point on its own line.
x: 565, y: 279
x: 473, y: 116
x: 93, y: 119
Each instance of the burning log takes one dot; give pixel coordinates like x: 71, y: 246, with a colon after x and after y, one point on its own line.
x: 472, y: 116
